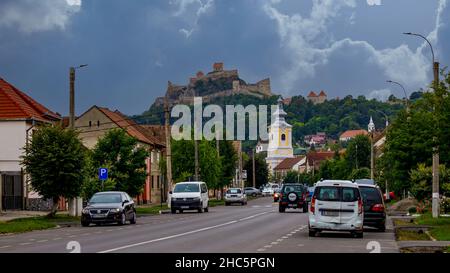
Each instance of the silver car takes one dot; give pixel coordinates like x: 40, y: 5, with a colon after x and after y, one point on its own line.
x: 235, y: 195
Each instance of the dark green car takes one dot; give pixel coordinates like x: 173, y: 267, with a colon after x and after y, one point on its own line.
x: 293, y: 196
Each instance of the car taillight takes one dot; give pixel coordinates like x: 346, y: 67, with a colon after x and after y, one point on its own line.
x: 360, y: 206
x: 313, y: 205
x: 377, y: 208
x: 281, y: 195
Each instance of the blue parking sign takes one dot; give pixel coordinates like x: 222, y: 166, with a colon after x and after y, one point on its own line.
x: 102, y: 173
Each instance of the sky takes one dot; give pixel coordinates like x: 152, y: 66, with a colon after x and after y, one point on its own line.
x: 134, y: 47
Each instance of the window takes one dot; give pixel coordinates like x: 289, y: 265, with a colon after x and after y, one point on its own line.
x: 295, y: 188
x: 283, y: 137
x: 350, y: 194
x: 371, y: 195
x: 153, y: 181
x: 233, y: 191
x: 98, y: 123
x: 186, y: 188
x: 90, y: 123
x: 327, y: 193
x: 157, y: 182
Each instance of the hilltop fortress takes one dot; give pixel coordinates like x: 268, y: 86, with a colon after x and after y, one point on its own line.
x: 217, y: 83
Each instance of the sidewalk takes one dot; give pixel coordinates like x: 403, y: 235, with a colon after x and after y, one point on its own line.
x: 16, y: 214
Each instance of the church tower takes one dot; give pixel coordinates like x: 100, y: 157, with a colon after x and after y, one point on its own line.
x: 280, y: 139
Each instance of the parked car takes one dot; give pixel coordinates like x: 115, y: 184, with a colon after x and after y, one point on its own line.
x: 268, y: 191
x: 235, y: 195
x: 276, y: 195
x: 374, y: 208
x: 293, y: 196
x: 250, y: 191
x: 189, y: 196
x: 336, y: 205
x: 109, y: 207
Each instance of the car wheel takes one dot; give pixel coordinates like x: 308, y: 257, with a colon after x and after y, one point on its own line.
x: 173, y: 211
x: 207, y: 209
x: 312, y: 233
x: 133, y: 219
x: 181, y: 211
x: 200, y: 210
x: 85, y: 223
x: 281, y: 209
x: 254, y: 194
x: 382, y: 228
x: 123, y: 219
x: 227, y: 204
x: 358, y: 234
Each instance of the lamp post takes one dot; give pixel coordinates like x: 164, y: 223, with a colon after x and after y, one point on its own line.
x: 404, y: 91
x: 371, y: 129
x: 435, y: 195
x: 75, y: 204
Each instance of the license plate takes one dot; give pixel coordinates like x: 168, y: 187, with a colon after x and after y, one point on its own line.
x: 184, y: 207
x: 330, y: 213
x: 99, y: 216
x: 292, y: 205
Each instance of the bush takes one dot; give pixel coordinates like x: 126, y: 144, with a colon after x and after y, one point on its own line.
x: 445, y: 205
x: 412, y: 210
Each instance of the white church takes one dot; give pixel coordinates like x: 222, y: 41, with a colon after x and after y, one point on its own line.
x: 280, y: 139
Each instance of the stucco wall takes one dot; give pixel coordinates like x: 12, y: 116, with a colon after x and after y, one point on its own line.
x: 12, y: 142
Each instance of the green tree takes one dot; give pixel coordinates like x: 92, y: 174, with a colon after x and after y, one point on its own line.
x: 292, y: 177
x: 55, y: 160
x: 421, y: 179
x: 358, y: 152
x: 261, y: 171
x: 361, y: 173
x: 125, y: 159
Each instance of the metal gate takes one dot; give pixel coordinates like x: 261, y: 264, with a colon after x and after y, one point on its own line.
x: 12, y: 191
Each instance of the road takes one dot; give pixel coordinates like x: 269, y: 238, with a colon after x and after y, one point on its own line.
x: 255, y: 228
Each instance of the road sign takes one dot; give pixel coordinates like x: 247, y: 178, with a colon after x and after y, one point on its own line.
x: 244, y: 174
x: 102, y: 173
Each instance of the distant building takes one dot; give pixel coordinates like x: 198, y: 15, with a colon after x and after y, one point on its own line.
x: 261, y: 146
x: 297, y: 164
x: 318, y: 139
x: 315, y: 159
x: 348, y: 135
x: 20, y: 115
x: 317, y: 99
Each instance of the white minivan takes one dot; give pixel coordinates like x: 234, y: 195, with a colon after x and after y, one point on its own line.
x: 189, y: 196
x: 336, y: 205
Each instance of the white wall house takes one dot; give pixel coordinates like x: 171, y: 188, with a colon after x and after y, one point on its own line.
x: 19, y: 116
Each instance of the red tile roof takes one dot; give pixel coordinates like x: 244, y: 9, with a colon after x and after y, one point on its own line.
x: 131, y: 127
x: 353, y: 133
x: 312, y: 94
x: 315, y: 157
x: 288, y: 163
x: 156, y: 131
x: 322, y: 94
x: 14, y: 104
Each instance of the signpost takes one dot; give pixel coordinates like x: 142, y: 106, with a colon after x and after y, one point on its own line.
x: 102, y: 175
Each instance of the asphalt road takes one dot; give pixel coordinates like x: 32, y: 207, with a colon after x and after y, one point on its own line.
x: 255, y: 228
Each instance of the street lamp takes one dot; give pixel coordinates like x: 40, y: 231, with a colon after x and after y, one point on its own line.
x: 371, y: 129
x: 435, y: 196
x: 385, y: 117
x: 404, y: 91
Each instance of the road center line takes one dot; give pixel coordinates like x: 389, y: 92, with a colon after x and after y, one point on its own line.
x: 183, y: 234
x: 168, y: 237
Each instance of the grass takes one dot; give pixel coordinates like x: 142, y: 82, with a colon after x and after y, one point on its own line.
x: 399, y: 222
x: 151, y: 210
x: 409, y: 235
x: 215, y: 203
x: 34, y: 223
x: 439, y: 227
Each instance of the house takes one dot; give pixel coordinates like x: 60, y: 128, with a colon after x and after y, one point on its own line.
x: 297, y: 164
x: 348, y: 135
x: 261, y: 146
x: 19, y: 116
x: 95, y: 123
x: 317, y: 99
x: 318, y: 139
x: 315, y: 159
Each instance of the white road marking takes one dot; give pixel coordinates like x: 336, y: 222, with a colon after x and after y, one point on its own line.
x: 4, y: 246
x: 32, y: 239
x: 268, y: 246
x: 168, y: 237
x: 289, y: 235
x: 24, y: 244
x: 71, y: 236
x: 285, y: 237
x: 279, y: 240
x: 58, y: 238
x: 261, y: 249
x: 274, y: 243
x: 253, y: 216
x: 42, y: 241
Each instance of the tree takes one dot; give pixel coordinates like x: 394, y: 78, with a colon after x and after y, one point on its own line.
x: 361, y: 173
x: 55, y: 160
x: 421, y: 179
x: 358, y: 152
x: 291, y: 177
x: 261, y: 171
x: 125, y: 159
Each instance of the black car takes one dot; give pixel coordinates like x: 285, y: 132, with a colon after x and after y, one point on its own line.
x: 374, y: 208
x: 293, y: 196
x: 109, y: 207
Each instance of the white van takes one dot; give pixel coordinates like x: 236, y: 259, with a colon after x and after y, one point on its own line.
x: 189, y: 196
x: 336, y: 205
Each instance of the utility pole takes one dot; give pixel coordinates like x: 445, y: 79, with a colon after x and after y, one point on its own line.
x: 254, y: 168
x: 371, y: 129
x: 75, y: 204
x: 435, y: 194
x: 168, y: 146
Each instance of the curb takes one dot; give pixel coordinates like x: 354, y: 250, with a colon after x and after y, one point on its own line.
x: 165, y: 212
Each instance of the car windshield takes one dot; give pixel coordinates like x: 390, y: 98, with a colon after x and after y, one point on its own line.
x: 106, y: 198
x: 234, y: 191
x: 291, y: 188
x: 371, y: 195
x: 186, y: 188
